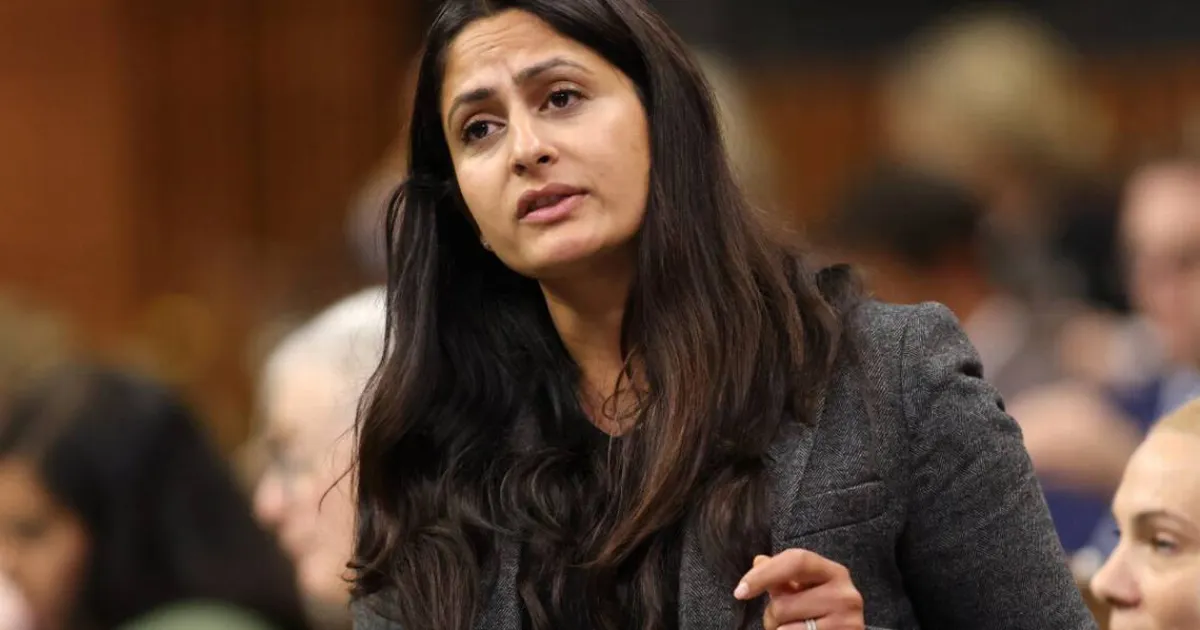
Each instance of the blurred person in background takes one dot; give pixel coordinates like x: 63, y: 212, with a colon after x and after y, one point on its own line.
x: 1161, y: 236
x: 116, y: 512
x: 993, y: 99
x: 1152, y: 579
x: 920, y: 237
x: 32, y: 342
x: 311, y: 386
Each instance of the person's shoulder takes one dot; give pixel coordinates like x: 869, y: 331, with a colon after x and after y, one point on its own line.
x: 882, y: 330
x: 899, y: 352
x: 873, y: 317
x: 198, y: 615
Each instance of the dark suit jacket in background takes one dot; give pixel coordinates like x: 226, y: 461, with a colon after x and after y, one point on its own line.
x: 929, y: 498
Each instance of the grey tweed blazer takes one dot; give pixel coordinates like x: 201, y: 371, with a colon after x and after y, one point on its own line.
x: 929, y: 499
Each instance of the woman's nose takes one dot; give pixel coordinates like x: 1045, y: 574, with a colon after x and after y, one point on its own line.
x: 530, y: 148
x: 1115, y: 583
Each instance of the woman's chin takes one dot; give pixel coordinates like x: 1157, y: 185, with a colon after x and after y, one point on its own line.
x: 563, y: 258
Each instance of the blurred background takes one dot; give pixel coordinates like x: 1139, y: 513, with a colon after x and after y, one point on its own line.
x: 182, y: 183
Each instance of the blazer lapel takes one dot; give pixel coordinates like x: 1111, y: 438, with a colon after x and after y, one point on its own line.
x: 787, y: 458
x: 705, y: 599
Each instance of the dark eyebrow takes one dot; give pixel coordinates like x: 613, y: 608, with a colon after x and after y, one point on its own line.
x: 1145, y: 519
x: 538, y: 68
x: 524, y: 76
x: 466, y: 98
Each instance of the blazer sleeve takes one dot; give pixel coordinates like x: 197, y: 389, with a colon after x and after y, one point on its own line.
x: 979, y: 549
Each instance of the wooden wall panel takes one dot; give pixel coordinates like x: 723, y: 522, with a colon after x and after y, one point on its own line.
x: 66, y: 171
x: 325, y: 122
x: 1155, y: 102
x: 262, y: 120
x: 823, y: 126
x: 175, y: 175
x: 196, y: 104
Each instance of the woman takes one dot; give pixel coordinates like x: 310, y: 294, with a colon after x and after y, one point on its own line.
x: 116, y: 513
x: 610, y: 401
x: 1152, y: 579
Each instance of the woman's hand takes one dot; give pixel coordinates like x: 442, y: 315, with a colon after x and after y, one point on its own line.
x: 806, y: 591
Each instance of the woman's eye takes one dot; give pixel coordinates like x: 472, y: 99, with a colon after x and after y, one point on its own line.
x: 30, y: 530
x: 477, y: 130
x: 561, y: 99
x: 1163, y: 545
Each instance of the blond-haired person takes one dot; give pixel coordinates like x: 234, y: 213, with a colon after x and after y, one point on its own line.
x: 1152, y: 580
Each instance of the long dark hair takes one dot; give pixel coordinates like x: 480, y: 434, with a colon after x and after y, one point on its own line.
x: 733, y: 334
x: 164, y: 516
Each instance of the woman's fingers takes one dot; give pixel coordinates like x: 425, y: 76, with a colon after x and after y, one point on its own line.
x: 769, y: 621
x: 791, y: 569
x: 835, y: 601
x: 803, y: 586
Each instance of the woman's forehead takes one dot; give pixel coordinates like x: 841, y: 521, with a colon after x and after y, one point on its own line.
x: 1164, y: 474
x: 500, y: 34
x: 500, y: 46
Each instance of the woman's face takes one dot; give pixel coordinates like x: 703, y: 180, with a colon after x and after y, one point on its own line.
x: 43, y: 547
x: 1152, y: 580
x: 549, y: 142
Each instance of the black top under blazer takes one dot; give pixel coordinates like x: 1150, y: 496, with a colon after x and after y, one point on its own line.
x: 929, y: 500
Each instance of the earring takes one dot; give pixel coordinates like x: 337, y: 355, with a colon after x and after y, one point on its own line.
x: 486, y: 245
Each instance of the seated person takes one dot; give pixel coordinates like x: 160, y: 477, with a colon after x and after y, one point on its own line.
x: 1160, y: 231
x: 1152, y: 579
x: 310, y: 388
x: 116, y: 513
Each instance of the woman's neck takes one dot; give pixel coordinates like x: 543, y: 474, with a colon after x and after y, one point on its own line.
x: 588, y: 313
